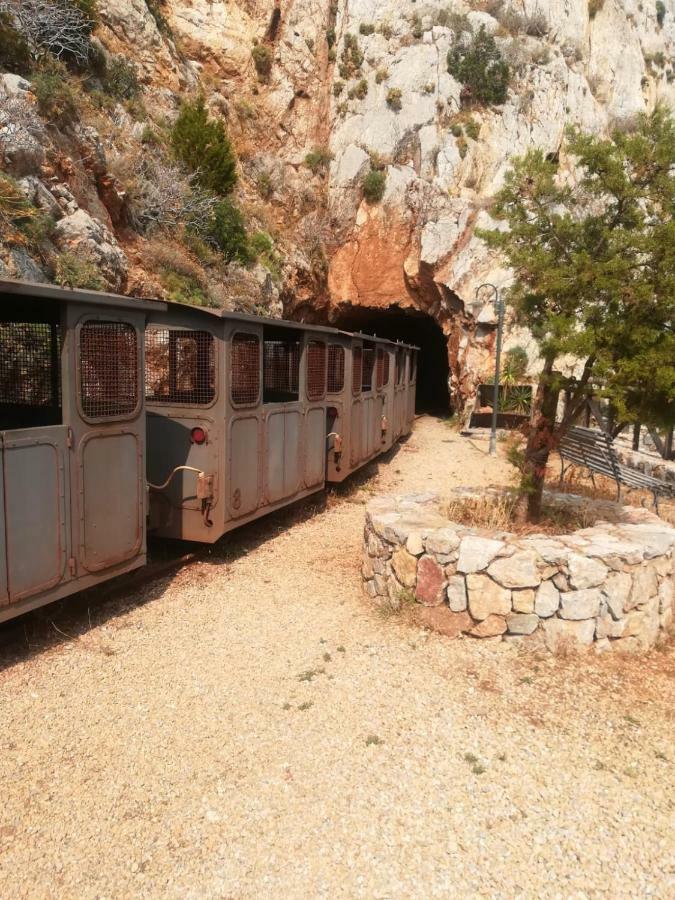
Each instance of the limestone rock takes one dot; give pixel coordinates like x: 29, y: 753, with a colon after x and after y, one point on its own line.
x: 616, y: 591
x: 561, y: 634
x: 486, y: 597
x: 91, y: 239
x: 523, y: 600
x: 492, y: 626
x: 442, y: 541
x: 585, y: 572
x: 547, y: 600
x: 580, y: 604
x: 456, y: 593
x: 517, y: 571
x: 645, y: 585
x: 476, y: 553
x: 404, y: 565
x: 415, y: 544
x: 430, y: 582
x: 522, y: 623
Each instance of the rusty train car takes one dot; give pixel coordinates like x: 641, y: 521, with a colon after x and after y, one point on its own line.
x: 122, y: 417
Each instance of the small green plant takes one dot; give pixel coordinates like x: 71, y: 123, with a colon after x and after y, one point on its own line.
x: 394, y: 96
x: 73, y: 271
x: 417, y: 30
x: 204, y: 148
x: 594, y: 7
x: 341, y: 649
x: 181, y: 288
x: 318, y: 160
x: 338, y: 88
x: 374, y: 741
x: 429, y: 88
x: 471, y: 758
x: 327, y: 657
x: 308, y: 704
x: 472, y: 129
x: 659, y: 754
x: 631, y: 720
x: 310, y: 674
x: 381, y: 75
x: 226, y: 231
x: 57, y: 100
x: 286, y: 706
x: 462, y: 146
x: 374, y: 185
x: 478, y: 65
x: 262, y: 60
x: 262, y: 248
x: 15, y: 53
x: 265, y: 185
x: 456, y: 130
x: 478, y: 769
x: 660, y: 12
x: 366, y: 28
x: 121, y: 79
x: 359, y: 91
x: 351, y: 58
x: 330, y: 38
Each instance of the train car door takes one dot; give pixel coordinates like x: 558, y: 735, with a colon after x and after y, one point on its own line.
x: 108, y: 436
x: 315, y: 412
x: 356, y: 435
x: 244, y: 443
x: 35, y: 543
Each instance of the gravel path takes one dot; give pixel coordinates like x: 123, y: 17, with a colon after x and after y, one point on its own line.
x: 251, y: 728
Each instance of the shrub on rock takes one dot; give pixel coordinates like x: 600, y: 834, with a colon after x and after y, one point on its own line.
x: 476, y: 62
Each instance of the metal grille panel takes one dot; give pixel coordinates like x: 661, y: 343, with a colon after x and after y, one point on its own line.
x: 357, y: 366
x: 385, y: 375
x: 245, y: 371
x: 336, y: 368
x: 281, y: 370
x: 368, y: 366
x: 180, y: 366
x: 380, y: 368
x: 108, y: 369
x: 400, y: 366
x: 413, y: 365
x: 30, y: 372
x: 316, y: 370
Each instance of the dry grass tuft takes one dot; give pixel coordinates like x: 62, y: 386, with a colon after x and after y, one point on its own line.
x: 499, y: 514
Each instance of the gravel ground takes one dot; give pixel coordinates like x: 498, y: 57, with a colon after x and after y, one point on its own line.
x: 252, y: 728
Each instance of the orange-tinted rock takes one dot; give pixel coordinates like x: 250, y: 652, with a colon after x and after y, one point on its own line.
x: 430, y: 582
x: 490, y: 627
x: 444, y: 620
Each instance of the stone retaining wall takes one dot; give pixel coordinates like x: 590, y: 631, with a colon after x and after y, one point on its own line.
x: 610, y: 586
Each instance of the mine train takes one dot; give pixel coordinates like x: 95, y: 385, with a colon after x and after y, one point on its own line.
x: 122, y: 417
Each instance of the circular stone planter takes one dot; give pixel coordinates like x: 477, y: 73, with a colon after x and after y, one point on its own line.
x: 609, y: 586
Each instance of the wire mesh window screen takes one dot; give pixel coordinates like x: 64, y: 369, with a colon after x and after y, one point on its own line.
x: 400, y: 366
x: 245, y: 369
x: 380, y: 368
x: 30, y: 367
x: 357, y: 365
x: 368, y: 366
x: 180, y: 366
x: 281, y: 370
x: 316, y: 370
x: 336, y: 368
x: 108, y: 369
x: 385, y: 374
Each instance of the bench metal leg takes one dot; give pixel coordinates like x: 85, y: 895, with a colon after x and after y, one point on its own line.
x: 618, y: 491
x: 656, y: 503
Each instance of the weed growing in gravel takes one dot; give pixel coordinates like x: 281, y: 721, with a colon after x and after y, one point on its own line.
x: 470, y: 758
x: 308, y: 704
x: 310, y: 674
x: 373, y: 740
x: 527, y: 679
x: 600, y: 766
x: 478, y: 769
x: 286, y: 706
x: 632, y: 721
x: 659, y: 754
x: 501, y: 757
x: 327, y: 657
x: 341, y: 649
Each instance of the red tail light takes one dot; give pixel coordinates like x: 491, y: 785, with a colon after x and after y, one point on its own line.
x: 198, y: 435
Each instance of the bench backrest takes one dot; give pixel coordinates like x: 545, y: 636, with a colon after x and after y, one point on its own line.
x: 590, y: 448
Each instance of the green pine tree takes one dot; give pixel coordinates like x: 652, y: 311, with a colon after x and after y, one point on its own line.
x: 202, y: 145
x: 594, y: 266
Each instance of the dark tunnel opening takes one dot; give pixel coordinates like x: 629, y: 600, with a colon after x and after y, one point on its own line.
x: 413, y: 327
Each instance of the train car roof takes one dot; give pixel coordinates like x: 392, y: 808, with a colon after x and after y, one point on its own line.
x: 18, y: 288
x: 75, y: 295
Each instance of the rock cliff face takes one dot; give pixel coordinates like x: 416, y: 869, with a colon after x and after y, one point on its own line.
x: 364, y: 83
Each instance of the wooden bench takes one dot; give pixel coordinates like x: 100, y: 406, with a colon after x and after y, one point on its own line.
x: 595, y: 450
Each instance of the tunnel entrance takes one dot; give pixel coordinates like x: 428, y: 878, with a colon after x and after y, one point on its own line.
x: 413, y: 327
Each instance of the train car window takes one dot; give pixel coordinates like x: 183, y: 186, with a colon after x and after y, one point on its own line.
x: 357, y: 366
x: 368, y: 366
x: 385, y: 374
x: 108, y: 369
x: 316, y: 370
x: 379, y: 377
x: 281, y: 366
x: 400, y: 365
x: 30, y: 374
x: 180, y: 366
x: 245, y: 369
x: 336, y: 368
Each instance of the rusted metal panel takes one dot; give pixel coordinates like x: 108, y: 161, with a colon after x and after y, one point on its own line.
x: 244, y: 465
x: 111, y: 497
x: 35, y: 509
x: 4, y: 593
x: 315, y: 443
x: 283, y: 430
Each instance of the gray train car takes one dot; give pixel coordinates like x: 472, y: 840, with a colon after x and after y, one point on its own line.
x: 72, y: 441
